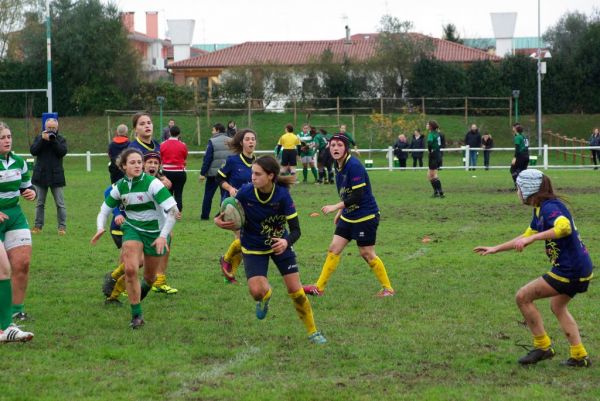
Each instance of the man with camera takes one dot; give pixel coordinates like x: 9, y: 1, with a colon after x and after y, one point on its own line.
x: 49, y: 147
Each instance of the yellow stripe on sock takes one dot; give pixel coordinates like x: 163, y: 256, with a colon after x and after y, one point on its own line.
x: 578, y: 351
x: 380, y: 272
x: 304, y: 310
x: 542, y: 341
x: 161, y: 279
x: 331, y: 263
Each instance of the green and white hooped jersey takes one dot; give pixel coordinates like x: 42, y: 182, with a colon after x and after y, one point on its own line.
x: 14, y: 175
x: 144, y: 198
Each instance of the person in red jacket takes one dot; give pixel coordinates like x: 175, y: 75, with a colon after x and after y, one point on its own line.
x: 174, y: 154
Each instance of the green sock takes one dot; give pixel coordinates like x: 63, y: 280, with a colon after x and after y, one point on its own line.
x: 136, y: 310
x: 5, y: 304
x: 314, y: 172
x: 17, y: 308
x: 145, y: 289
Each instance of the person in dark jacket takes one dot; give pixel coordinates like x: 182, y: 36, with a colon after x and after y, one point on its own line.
x: 119, y: 143
x: 488, y: 143
x: 473, y: 141
x: 401, y: 144
x: 417, y: 142
x: 49, y: 147
x: 595, y: 141
x: 231, y: 129
x: 216, y: 154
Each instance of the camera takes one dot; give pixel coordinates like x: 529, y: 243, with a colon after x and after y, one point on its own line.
x: 51, y: 134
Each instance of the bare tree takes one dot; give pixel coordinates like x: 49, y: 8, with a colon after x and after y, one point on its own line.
x: 12, y: 16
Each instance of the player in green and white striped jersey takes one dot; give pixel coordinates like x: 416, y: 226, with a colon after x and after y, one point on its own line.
x: 146, y: 228
x: 15, y: 238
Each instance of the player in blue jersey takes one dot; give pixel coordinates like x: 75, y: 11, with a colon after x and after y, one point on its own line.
x: 570, y: 273
x: 236, y: 172
x: 357, y: 218
x: 268, y: 209
x: 144, y: 129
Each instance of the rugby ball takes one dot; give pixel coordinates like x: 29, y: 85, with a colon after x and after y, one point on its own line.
x: 233, y: 211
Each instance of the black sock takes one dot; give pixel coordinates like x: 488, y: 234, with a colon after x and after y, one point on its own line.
x: 145, y: 289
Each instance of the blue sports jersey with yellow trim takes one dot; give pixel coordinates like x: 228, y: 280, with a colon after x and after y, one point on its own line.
x: 264, y: 219
x: 237, y: 170
x: 114, y: 227
x: 144, y: 148
x: 568, y: 255
x: 352, y: 176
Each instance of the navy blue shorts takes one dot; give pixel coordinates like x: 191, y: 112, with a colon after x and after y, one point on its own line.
x: 258, y: 265
x: 364, y: 233
x: 571, y: 288
x: 288, y: 157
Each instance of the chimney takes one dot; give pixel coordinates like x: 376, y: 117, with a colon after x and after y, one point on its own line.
x: 348, y: 34
x: 504, y: 31
x: 127, y: 19
x: 152, y: 24
x: 181, y: 32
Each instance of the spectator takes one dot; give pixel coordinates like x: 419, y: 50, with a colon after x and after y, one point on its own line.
x: 49, y: 147
x: 401, y: 144
x: 216, y: 154
x: 417, y: 142
x: 595, y: 141
x: 119, y: 143
x: 174, y: 153
x: 488, y: 143
x: 166, y: 134
x: 473, y: 141
x: 231, y: 129
x: 521, y: 160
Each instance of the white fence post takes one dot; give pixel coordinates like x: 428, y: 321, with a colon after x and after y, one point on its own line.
x: 88, y: 161
x: 390, y: 158
x: 545, y: 156
x: 467, y: 157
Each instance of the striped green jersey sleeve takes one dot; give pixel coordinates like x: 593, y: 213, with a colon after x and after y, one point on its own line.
x: 14, y: 175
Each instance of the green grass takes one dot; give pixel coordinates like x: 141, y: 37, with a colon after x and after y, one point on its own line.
x: 90, y: 133
x: 449, y: 334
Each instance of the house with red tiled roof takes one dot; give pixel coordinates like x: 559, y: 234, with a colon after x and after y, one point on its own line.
x: 155, y: 52
x: 358, y: 47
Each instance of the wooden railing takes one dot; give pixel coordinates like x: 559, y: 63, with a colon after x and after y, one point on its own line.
x: 557, y: 140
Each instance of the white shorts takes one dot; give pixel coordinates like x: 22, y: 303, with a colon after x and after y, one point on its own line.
x: 307, y: 159
x: 16, y: 238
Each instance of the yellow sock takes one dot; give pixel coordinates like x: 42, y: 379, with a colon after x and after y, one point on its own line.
x: 542, y: 341
x: 380, y: 272
x: 161, y: 279
x: 578, y: 351
x: 234, y: 247
x: 236, y: 260
x: 331, y: 263
x: 119, y: 288
x: 304, y: 310
x: 118, y: 272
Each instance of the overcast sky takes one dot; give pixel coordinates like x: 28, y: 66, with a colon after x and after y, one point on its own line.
x: 236, y: 21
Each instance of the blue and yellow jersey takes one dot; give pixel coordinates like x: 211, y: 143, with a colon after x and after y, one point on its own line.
x: 144, y: 148
x: 350, y: 177
x: 265, y: 219
x: 567, y: 253
x: 237, y: 170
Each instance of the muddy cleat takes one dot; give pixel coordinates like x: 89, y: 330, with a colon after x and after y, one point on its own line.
x: 112, y: 302
x: 577, y: 363
x: 226, y: 268
x: 36, y: 230
x: 137, y: 322
x: 262, y: 307
x: 386, y: 292
x: 317, y: 338
x: 165, y: 289
x: 313, y: 290
x: 536, y: 355
x: 20, y: 316
x: 13, y: 334
x: 108, y: 285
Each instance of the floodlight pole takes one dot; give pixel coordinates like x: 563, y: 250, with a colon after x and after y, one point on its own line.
x: 48, y: 57
x: 539, y: 85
